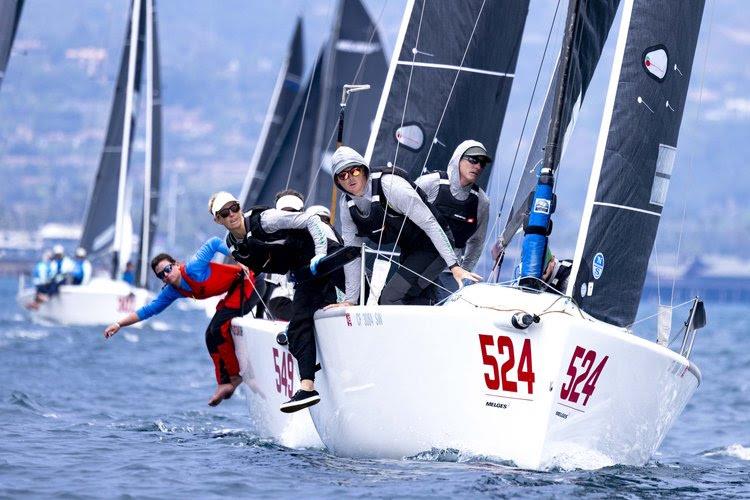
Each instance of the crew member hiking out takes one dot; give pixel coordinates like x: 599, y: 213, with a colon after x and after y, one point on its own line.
x: 463, y: 205
x: 280, y: 241
x: 384, y: 207
x: 201, y: 278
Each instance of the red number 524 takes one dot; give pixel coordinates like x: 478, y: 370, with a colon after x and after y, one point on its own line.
x: 499, y: 374
x: 569, y: 390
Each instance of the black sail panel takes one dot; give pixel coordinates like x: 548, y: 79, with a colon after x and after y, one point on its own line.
x: 594, y: 25
x: 438, y: 37
x: 629, y: 186
x: 355, y: 56
x: 285, y: 93
x: 10, y: 14
x: 293, y: 149
x: 99, y: 226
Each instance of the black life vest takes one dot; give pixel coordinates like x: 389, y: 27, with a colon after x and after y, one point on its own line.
x: 387, y: 221
x: 461, y: 216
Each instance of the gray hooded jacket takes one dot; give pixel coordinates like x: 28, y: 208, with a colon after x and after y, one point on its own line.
x: 430, y: 184
x: 402, y: 199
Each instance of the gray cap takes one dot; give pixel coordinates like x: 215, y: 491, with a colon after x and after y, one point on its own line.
x: 478, y: 152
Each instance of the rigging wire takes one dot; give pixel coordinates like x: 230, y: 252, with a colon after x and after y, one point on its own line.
x: 691, y: 173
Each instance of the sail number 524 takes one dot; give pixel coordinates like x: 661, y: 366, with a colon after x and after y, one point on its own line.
x: 500, y: 376
x: 580, y: 371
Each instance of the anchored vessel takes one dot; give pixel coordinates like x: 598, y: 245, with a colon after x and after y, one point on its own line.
x: 107, y: 233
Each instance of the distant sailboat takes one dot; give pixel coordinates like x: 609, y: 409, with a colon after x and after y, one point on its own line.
x: 10, y: 15
x: 107, y: 233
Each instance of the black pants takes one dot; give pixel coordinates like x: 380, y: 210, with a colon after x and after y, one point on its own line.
x: 406, y: 287
x: 308, y: 298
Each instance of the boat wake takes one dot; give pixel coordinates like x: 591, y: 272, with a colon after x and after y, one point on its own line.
x: 733, y: 450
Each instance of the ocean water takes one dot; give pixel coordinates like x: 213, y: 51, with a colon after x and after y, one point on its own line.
x: 84, y: 417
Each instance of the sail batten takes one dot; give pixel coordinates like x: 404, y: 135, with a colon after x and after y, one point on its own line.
x: 635, y: 156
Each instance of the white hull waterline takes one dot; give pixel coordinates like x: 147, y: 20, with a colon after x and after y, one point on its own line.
x: 400, y: 380
x: 270, y: 375
x: 100, y: 302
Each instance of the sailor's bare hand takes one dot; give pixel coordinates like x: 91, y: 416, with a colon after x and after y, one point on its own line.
x: 245, y: 269
x: 460, y: 274
x: 340, y: 304
x: 111, y: 330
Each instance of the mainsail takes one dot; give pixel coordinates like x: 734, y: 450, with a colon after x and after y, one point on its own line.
x: 353, y: 56
x: 635, y: 155
x: 152, y: 177
x: 449, y: 80
x: 595, y: 21
x: 10, y: 14
x: 103, y: 223
x: 283, y: 98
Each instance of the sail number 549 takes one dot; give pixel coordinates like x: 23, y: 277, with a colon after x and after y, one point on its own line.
x: 500, y: 376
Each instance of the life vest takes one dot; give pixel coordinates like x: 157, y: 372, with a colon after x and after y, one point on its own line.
x: 223, y: 278
x: 460, y: 215
x: 393, y: 226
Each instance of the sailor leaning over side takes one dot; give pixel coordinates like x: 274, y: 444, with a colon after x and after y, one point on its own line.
x: 383, y: 206
x: 279, y: 241
x: 201, y: 278
x: 464, y: 206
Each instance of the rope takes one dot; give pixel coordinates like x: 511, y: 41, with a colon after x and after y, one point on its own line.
x: 656, y: 314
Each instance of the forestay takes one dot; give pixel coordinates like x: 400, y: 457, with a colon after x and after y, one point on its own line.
x: 284, y: 94
x: 593, y: 25
x: 635, y: 155
x: 449, y: 80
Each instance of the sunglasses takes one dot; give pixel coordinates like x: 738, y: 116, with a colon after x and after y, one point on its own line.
x: 475, y: 161
x: 163, y: 273
x: 224, y: 212
x: 354, y: 172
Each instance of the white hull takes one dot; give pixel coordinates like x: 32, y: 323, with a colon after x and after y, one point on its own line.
x: 270, y: 374
x: 400, y: 380
x: 100, y: 302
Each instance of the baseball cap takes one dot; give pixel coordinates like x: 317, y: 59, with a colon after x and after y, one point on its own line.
x: 221, y: 199
x: 478, y: 152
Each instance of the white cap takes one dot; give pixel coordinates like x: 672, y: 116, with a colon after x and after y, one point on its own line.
x: 319, y: 210
x: 221, y: 199
x: 80, y: 252
x: 290, y: 201
x: 58, y: 250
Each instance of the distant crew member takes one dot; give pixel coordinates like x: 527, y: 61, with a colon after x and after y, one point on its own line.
x: 201, y: 278
x: 81, y: 271
x: 128, y: 275
x: 40, y: 278
x: 280, y: 240
x: 385, y: 207
x: 463, y: 205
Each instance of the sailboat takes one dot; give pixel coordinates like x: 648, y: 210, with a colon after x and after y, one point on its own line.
x: 10, y: 15
x: 523, y: 374
x: 108, y: 235
x: 298, y: 158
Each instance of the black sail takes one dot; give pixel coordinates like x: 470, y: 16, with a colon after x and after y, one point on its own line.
x: 293, y: 149
x: 10, y: 14
x: 285, y: 91
x: 594, y: 25
x: 635, y: 156
x: 99, y: 227
x: 152, y: 188
x: 354, y: 56
x: 425, y: 115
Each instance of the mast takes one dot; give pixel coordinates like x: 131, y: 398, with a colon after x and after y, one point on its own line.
x: 126, y: 137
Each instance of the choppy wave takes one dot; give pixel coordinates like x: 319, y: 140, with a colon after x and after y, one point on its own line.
x: 733, y: 450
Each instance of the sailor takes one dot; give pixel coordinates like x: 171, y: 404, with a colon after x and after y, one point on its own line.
x: 40, y: 278
x: 201, y: 278
x: 128, y: 275
x: 285, y: 239
x: 383, y: 206
x: 463, y: 205
x: 60, y: 268
x: 81, y: 271
x: 556, y: 271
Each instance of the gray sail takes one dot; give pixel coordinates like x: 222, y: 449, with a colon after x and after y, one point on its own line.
x: 292, y: 152
x: 591, y: 33
x: 151, y: 192
x: 10, y: 14
x: 472, y: 43
x: 354, y: 56
x: 99, y: 227
x: 286, y: 90
x: 635, y: 156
